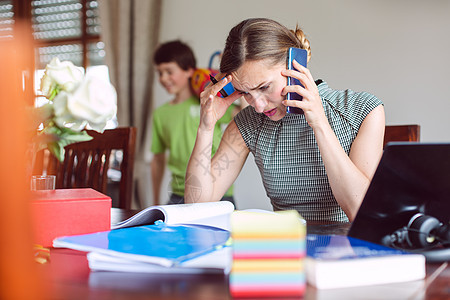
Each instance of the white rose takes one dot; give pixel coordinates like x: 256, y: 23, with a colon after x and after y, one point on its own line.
x: 63, y: 117
x: 63, y: 74
x: 93, y: 102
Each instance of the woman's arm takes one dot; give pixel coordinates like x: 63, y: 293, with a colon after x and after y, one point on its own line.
x: 349, y: 175
x: 208, y: 179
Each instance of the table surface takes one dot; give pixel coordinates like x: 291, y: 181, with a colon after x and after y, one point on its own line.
x: 68, y: 277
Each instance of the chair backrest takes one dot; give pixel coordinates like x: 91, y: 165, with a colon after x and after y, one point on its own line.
x: 86, y: 164
x: 401, y: 133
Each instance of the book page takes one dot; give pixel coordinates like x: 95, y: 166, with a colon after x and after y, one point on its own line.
x: 147, y: 216
x: 210, y: 213
x: 197, y: 213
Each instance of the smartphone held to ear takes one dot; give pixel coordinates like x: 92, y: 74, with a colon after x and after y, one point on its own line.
x: 301, y: 56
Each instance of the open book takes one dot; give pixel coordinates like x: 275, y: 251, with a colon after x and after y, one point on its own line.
x: 176, y: 235
x: 216, y: 214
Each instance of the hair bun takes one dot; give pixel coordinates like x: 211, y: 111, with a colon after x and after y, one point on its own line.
x: 304, y: 42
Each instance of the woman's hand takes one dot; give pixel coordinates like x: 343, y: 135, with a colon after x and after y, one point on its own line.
x: 311, y: 103
x: 213, y: 107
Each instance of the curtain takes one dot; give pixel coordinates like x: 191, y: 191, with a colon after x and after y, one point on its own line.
x: 130, y: 33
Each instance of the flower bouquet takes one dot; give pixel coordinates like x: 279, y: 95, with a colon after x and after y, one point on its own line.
x: 74, y: 101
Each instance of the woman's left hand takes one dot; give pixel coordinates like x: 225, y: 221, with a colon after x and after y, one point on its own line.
x: 311, y: 104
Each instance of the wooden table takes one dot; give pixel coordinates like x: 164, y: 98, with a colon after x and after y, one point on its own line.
x: 69, y: 277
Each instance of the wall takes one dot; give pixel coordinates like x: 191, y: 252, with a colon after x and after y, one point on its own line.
x: 397, y: 50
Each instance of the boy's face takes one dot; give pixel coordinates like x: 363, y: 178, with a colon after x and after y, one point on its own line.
x: 173, y: 78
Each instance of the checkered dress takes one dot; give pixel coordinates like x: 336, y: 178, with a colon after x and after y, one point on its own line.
x: 288, y: 157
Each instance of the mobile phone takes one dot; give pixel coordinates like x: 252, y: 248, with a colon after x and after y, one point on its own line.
x: 301, y: 56
x: 227, y: 89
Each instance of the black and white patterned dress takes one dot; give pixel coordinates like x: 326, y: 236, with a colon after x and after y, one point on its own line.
x: 288, y: 157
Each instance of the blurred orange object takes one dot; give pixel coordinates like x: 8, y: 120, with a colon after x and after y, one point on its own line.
x: 18, y: 270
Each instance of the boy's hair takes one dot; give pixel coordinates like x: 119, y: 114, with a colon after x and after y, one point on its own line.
x: 175, y: 51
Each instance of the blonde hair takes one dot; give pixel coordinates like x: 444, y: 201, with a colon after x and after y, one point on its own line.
x: 258, y: 39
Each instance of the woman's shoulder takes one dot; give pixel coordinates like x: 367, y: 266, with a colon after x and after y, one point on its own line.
x: 248, y: 119
x: 247, y: 114
x: 347, y: 99
x: 348, y: 105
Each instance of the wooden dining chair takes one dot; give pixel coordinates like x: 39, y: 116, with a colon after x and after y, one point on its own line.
x: 86, y: 164
x: 401, y: 133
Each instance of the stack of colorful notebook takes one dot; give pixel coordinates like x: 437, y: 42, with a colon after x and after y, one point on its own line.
x: 268, y: 253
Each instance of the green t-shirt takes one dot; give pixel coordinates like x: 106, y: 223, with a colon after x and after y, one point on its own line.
x: 175, y: 129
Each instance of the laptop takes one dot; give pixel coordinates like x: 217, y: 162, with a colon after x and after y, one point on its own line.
x: 411, y: 178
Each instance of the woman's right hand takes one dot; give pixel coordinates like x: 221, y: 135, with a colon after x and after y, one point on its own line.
x: 213, y: 107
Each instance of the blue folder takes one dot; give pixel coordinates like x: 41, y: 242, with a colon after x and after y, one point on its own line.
x: 163, y: 244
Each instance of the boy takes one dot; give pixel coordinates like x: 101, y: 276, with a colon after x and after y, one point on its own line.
x: 175, y: 123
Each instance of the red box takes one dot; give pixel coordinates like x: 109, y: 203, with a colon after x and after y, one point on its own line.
x: 64, y: 212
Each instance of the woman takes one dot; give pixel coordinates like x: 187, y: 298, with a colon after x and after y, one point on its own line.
x: 319, y: 163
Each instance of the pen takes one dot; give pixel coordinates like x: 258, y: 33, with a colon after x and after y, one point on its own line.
x: 214, y: 81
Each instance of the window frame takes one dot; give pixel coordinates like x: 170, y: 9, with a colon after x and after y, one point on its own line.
x: 22, y: 12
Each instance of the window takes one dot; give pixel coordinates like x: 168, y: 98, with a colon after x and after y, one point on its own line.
x: 67, y: 29
x: 6, y: 19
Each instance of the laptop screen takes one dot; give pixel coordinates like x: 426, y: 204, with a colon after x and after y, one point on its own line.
x: 411, y: 178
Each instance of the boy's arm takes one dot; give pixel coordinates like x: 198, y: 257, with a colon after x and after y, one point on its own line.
x: 157, y: 166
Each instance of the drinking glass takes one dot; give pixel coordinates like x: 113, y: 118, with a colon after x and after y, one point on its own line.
x: 43, y: 182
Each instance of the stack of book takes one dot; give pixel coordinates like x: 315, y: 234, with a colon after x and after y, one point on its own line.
x: 184, y: 238
x: 268, y: 253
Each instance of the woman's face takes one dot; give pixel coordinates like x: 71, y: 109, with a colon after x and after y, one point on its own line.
x: 261, y: 85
